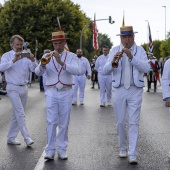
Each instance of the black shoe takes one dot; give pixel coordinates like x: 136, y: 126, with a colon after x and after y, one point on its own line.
x: 147, y: 91
x: 92, y: 87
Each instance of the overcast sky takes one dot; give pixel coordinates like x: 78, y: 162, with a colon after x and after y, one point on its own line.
x: 136, y: 13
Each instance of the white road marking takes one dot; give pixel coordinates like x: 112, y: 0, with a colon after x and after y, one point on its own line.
x: 40, y: 163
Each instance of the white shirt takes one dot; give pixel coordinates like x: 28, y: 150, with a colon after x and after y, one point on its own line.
x: 83, y: 62
x: 63, y: 75
x: 100, y: 63
x: 16, y: 73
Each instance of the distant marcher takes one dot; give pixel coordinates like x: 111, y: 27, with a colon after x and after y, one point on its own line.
x: 153, y: 74
x: 80, y: 80
x: 105, y: 80
x: 94, y: 74
x: 161, y: 64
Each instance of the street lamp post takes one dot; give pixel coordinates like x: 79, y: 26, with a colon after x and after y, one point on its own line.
x: 165, y: 21
x: 82, y: 34
x: 147, y: 29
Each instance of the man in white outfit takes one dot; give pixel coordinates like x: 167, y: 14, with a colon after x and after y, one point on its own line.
x: 128, y: 63
x: 166, y: 87
x: 105, y: 80
x: 16, y: 70
x: 59, y: 68
x: 80, y: 80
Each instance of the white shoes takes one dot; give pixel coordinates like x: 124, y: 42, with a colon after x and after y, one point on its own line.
x: 109, y: 104
x: 62, y: 156
x: 13, y: 142
x: 29, y: 142
x: 74, y: 103
x: 123, y: 154
x: 49, y: 156
x: 133, y: 160
x: 102, y: 105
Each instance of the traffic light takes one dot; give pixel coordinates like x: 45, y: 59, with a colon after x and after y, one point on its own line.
x: 110, y: 20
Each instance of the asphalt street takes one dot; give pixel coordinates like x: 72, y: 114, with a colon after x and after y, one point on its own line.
x: 93, y: 141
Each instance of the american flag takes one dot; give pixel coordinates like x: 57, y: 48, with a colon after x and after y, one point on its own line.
x: 59, y: 28
x: 150, y: 45
x: 95, y: 34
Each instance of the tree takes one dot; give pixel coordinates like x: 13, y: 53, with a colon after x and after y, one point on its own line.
x: 36, y: 19
x: 104, y: 40
x: 156, y: 48
x: 165, y: 48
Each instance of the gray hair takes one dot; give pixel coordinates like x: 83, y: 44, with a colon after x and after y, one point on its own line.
x: 15, y: 37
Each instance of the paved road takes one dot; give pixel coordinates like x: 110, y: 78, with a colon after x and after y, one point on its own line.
x: 92, y: 136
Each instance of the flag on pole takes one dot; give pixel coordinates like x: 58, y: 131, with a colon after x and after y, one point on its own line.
x: 95, y: 34
x: 59, y: 28
x: 150, y: 45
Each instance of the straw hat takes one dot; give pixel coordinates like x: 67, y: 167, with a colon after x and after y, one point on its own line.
x: 126, y: 30
x: 60, y: 35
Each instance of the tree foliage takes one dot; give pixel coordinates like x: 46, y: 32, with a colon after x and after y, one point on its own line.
x: 36, y: 20
x: 160, y: 48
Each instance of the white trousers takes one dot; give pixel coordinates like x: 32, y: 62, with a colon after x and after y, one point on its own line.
x: 18, y: 97
x: 80, y: 82
x: 128, y: 101
x: 105, y: 83
x: 58, y: 108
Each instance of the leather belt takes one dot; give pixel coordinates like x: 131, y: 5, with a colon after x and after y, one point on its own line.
x: 17, y: 84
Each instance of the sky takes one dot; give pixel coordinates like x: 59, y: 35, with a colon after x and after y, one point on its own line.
x: 137, y: 13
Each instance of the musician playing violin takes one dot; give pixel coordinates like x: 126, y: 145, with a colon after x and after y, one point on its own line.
x: 128, y: 83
